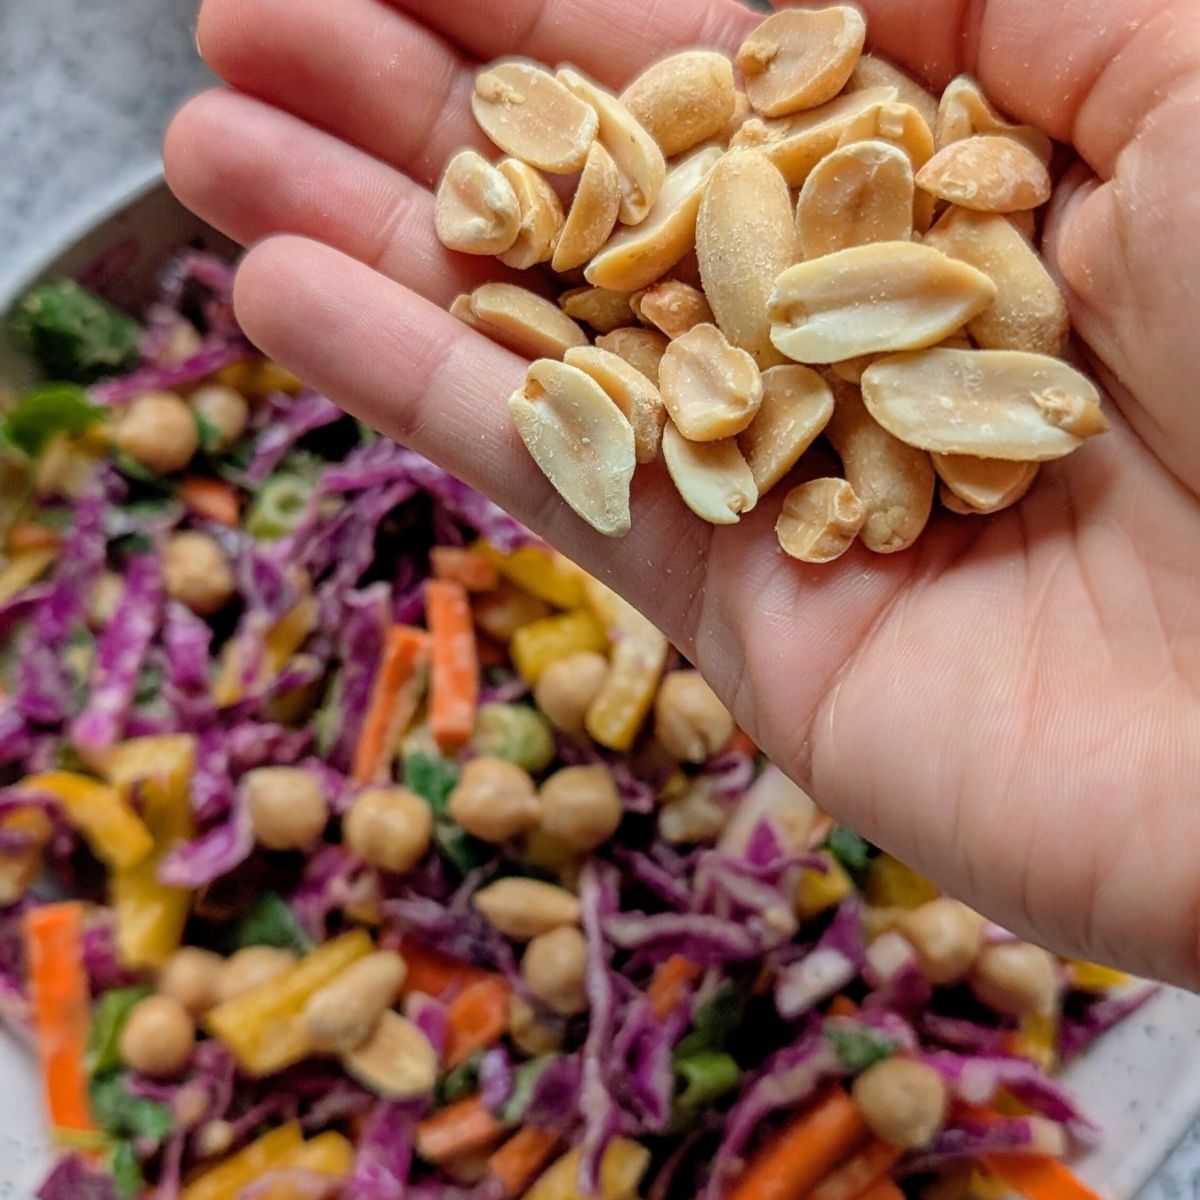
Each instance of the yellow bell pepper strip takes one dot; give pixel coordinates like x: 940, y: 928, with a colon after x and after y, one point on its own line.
x: 1092, y: 977
x: 545, y: 574
x: 639, y: 654
x: 258, y: 378
x: 819, y: 891
x: 19, y: 867
x: 225, y: 1180
x: 116, y: 834
x: 890, y: 884
x: 150, y: 916
x: 23, y: 569
x: 281, y: 642
x: 328, y: 1154
x: 1038, y: 1178
x: 262, y: 1028
x: 621, y: 1170
x: 536, y: 645
x: 61, y: 1006
x: 1036, y: 1038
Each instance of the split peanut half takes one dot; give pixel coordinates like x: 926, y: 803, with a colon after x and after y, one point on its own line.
x: 820, y: 520
x: 989, y: 173
x: 541, y: 216
x: 603, y: 310
x: 593, y: 214
x: 796, y: 406
x: 630, y: 390
x: 712, y: 477
x: 523, y: 321
x: 872, y: 71
x: 580, y: 440
x: 965, y: 111
x: 477, y: 211
x: 640, y: 348
x: 672, y: 307
x: 683, y: 100
x: 711, y: 389
x: 983, y: 485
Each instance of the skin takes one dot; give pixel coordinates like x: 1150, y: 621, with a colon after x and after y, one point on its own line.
x: 1014, y: 706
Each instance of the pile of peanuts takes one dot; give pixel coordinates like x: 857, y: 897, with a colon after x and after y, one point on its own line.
x: 797, y: 244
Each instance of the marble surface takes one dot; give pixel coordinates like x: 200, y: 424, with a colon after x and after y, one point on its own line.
x: 86, y: 87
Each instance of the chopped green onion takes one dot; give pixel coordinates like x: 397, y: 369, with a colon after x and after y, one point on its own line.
x: 279, y: 507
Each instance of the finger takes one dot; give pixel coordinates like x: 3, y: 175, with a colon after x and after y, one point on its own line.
x: 609, y: 39
x: 251, y: 171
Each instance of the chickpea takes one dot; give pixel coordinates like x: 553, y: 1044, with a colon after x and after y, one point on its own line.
x: 554, y: 967
x: 566, y: 688
x: 287, y: 807
x: 904, y: 1102
x: 251, y: 968
x: 1016, y: 979
x: 225, y: 410
x: 946, y: 935
x: 530, y: 1035
x: 197, y: 573
x: 495, y: 800
x: 581, y: 807
x: 159, y: 431
x: 389, y: 828
x: 192, y: 977
x: 689, y: 720
x: 158, y: 1037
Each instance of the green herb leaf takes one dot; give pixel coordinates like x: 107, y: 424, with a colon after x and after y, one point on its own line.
x: 714, y: 1021
x: 270, y: 922
x: 852, y: 851
x: 53, y: 409
x: 460, y: 1083
x: 465, y: 853
x: 126, y: 1171
x: 118, y: 1112
x: 109, y: 1015
x: 706, y: 1077
x: 433, y: 778
x: 857, y: 1046
x: 210, y: 436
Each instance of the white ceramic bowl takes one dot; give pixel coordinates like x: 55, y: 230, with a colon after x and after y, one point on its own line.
x: 1141, y: 1082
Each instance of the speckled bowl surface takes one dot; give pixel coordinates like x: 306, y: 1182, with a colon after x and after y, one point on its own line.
x: 1141, y: 1083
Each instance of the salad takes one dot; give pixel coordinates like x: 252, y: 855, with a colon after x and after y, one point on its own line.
x: 354, y: 843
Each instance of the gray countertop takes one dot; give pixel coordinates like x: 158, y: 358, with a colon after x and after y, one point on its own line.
x: 86, y: 87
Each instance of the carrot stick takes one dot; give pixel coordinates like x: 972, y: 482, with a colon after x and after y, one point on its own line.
x: 454, y: 694
x: 859, y: 1172
x: 884, y: 1189
x: 804, y: 1151
x: 61, y: 1009
x: 477, y: 1018
x: 434, y: 973
x: 394, y: 698
x: 458, y: 1129
x: 211, y: 498
x: 1038, y: 1178
x: 456, y: 565
x: 669, y: 984
x: 842, y: 1006
x: 30, y: 535
x: 515, y: 1165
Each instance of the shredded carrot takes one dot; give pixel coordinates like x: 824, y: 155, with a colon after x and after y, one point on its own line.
x: 668, y: 987
x: 211, y: 498
x: 61, y: 1009
x: 842, y: 1006
x: 454, y: 691
x: 458, y: 1129
x: 804, y: 1151
x: 858, y: 1173
x: 518, y: 1162
x: 883, y: 1189
x: 466, y: 567
x: 741, y: 743
x: 394, y: 699
x: 30, y: 535
x: 434, y: 973
x: 476, y: 1018
x: 1038, y: 1178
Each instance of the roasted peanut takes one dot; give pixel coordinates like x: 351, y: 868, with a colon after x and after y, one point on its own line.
x: 530, y: 115
x: 1029, y: 312
x: 796, y: 144
x: 642, y: 349
x: 859, y: 194
x: 796, y: 407
x: 603, y: 310
x: 523, y: 321
x: 672, y: 307
x: 631, y: 391
x: 593, y: 214
x: 986, y: 403
x: 820, y: 520
x: 580, y: 439
x: 983, y: 485
x: 541, y: 216
x: 903, y: 1101
x: 964, y: 111
x: 683, y: 100
x: 494, y: 800
x: 894, y: 482
x: 897, y: 124
x: 947, y: 937
x: 871, y: 299
x: 745, y: 236
x: 712, y: 477
x: 711, y: 389
x: 690, y: 721
x: 801, y: 58
x: 524, y: 908
x: 477, y: 211
x: 1016, y: 979
x: 396, y: 1061
x: 640, y: 163
x: 341, y: 1015
x: 873, y: 72
x: 635, y: 258
x: 987, y: 173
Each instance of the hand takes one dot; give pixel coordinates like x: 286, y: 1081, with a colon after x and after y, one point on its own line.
x: 1013, y: 706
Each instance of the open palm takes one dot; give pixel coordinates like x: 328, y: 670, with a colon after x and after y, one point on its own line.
x: 1014, y: 705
